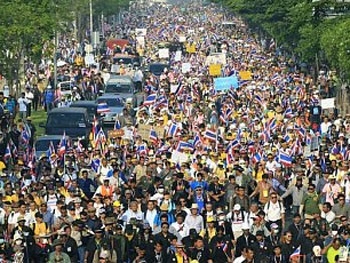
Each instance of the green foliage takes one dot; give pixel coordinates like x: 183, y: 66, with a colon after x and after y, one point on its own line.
x: 108, y: 7
x: 301, y: 26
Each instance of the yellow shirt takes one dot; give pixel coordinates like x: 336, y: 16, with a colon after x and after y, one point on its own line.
x: 40, y: 228
x: 331, y: 253
x: 179, y: 258
x: 258, y: 176
x: 2, y: 166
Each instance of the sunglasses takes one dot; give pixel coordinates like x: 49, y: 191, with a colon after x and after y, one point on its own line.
x: 273, y: 197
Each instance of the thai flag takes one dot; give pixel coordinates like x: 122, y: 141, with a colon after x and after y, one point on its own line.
x: 225, y: 247
x: 259, y: 100
x: 272, y: 124
x: 286, y: 138
x: 251, y: 146
x: 13, y: 148
x: 296, y: 253
x: 101, y: 137
x: 117, y: 125
x: 151, y: 99
x: 184, y: 146
x: 94, y: 128
x: 301, y: 131
x: 335, y: 149
x: 266, y: 136
x: 275, y: 77
x: 285, y: 159
x: 25, y: 136
x: 62, y: 145
x: 7, y: 152
x: 95, y: 164
x: 288, y: 113
x: 229, y: 158
x: 141, y: 149
x: 51, y: 150
x: 210, y: 135
x: 257, y: 157
x: 102, y: 107
x: 197, y: 140
x: 179, y: 89
x: 173, y: 129
x: 153, y: 136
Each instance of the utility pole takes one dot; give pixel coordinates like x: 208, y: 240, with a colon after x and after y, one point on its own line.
x: 91, y: 22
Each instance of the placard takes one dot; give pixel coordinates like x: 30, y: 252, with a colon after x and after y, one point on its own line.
x: 215, y: 70
x: 191, y: 48
x: 163, y: 53
x: 89, y: 59
x: 145, y: 130
x: 328, y: 103
x: 115, y: 68
x: 186, y: 67
x: 182, y: 39
x: 115, y: 133
x: 178, y: 157
x: 222, y: 84
x: 245, y: 75
x: 140, y: 41
x: 178, y: 56
x: 141, y: 32
x: 218, y: 58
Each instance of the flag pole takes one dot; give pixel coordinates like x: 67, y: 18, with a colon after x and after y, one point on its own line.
x: 64, y: 154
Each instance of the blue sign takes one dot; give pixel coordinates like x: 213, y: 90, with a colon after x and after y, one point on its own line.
x: 222, y: 84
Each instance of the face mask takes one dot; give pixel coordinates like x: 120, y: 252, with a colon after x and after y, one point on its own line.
x: 161, y: 190
x: 18, y: 242
x: 44, y: 241
x: 276, y: 231
x: 334, y: 233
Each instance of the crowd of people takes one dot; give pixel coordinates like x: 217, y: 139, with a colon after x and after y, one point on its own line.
x: 254, y: 171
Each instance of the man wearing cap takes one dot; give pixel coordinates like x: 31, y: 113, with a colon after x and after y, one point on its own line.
x: 58, y: 255
x: 237, y: 217
x: 69, y: 244
x: 263, y: 248
x: 194, y: 220
x: 331, y: 190
x: 95, y: 245
x: 245, y: 240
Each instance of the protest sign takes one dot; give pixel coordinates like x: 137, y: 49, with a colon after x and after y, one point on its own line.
x: 222, y: 84
x: 141, y: 32
x: 217, y: 58
x: 215, y: 70
x: 245, y: 75
x: 178, y: 157
x: 328, y: 103
x: 178, y: 56
x: 186, y: 67
x: 163, y: 53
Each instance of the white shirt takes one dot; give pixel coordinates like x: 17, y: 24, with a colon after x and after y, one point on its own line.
x: 150, y: 215
x: 196, y: 222
x: 175, y: 229
x: 330, y: 216
x: 274, y: 211
x: 22, y: 103
x: 239, y: 259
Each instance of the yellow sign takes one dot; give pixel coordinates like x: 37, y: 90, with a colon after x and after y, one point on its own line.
x: 191, y: 48
x: 245, y: 75
x: 215, y: 70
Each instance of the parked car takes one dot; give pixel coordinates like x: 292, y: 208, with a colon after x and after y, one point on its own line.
x: 122, y: 86
x: 89, y: 105
x: 115, y: 106
x: 42, y: 143
x: 73, y: 121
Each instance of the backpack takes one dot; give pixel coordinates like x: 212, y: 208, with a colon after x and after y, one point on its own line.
x: 279, y: 204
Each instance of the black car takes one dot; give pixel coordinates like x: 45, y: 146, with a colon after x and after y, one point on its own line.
x: 89, y: 105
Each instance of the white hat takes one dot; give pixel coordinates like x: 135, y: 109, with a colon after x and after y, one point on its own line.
x: 194, y: 206
x: 237, y: 207
x: 245, y: 226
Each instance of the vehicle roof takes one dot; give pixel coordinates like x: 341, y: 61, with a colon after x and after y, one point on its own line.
x: 84, y: 103
x: 109, y: 96
x: 50, y: 137
x: 67, y: 109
